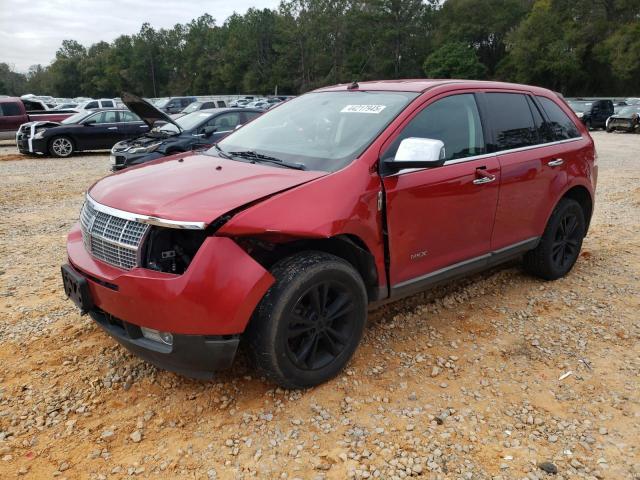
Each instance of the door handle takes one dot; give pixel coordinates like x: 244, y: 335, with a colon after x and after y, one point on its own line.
x: 555, y: 163
x: 112, y: 128
x: 485, y: 177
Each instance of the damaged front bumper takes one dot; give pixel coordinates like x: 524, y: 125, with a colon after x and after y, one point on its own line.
x: 205, y: 309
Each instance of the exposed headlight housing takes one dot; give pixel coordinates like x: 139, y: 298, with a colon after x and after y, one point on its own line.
x: 146, y: 148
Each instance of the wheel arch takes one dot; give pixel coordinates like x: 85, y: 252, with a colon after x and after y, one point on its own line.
x: 348, y: 247
x: 582, y: 195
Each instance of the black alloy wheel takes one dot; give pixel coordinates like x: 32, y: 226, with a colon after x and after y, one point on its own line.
x: 309, y: 323
x: 320, y: 325
x: 560, y: 244
x: 567, y: 242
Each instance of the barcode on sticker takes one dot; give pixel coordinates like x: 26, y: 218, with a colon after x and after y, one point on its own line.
x: 363, y: 109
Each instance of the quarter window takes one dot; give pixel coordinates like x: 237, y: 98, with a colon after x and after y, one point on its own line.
x: 562, y: 127
x: 107, y: 104
x: 454, y: 120
x: 512, y: 121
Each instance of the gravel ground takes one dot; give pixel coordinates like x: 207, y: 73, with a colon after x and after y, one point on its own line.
x: 489, y: 377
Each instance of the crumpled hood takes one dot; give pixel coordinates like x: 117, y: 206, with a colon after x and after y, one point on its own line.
x: 198, y: 188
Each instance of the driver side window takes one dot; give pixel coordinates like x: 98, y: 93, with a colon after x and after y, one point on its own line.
x: 226, y: 122
x: 454, y: 120
x: 104, y: 117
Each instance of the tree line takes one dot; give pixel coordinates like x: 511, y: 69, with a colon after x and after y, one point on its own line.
x: 577, y: 47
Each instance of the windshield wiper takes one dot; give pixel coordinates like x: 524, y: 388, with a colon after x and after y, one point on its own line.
x: 222, y: 153
x: 251, y: 155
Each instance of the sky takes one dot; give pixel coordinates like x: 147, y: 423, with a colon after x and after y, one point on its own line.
x: 31, y: 31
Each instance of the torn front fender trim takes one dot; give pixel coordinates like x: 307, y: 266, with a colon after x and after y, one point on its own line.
x: 215, y: 296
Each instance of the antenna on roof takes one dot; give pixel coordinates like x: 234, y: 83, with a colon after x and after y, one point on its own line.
x: 353, y: 86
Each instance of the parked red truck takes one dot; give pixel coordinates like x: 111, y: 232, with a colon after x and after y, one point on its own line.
x: 13, y: 114
x: 285, y: 232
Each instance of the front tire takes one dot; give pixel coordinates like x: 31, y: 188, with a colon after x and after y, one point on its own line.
x: 61, y: 147
x: 309, y: 323
x: 560, y: 245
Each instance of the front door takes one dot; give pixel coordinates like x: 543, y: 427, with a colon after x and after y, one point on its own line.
x: 100, y: 131
x: 440, y: 219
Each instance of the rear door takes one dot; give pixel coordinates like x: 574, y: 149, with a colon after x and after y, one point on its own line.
x: 440, y: 218
x: 131, y: 126
x: 532, y: 167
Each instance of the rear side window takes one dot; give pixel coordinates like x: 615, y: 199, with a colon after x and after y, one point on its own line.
x: 562, y: 127
x: 107, y: 104
x: 512, y: 121
x: 221, y: 104
x: 9, y: 109
x: 454, y: 120
x: 544, y: 132
x: 129, y: 117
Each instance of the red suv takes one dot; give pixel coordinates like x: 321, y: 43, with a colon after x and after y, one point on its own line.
x: 289, y: 229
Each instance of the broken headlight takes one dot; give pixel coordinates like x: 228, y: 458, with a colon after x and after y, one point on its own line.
x: 171, y: 250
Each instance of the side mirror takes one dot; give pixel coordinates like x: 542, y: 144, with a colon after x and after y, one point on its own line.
x: 209, y: 130
x: 417, y: 153
x: 89, y: 123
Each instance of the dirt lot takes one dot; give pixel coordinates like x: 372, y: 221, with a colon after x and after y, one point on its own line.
x: 486, y: 378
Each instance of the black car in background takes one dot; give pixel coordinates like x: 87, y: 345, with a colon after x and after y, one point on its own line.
x: 174, y: 104
x: 593, y: 113
x: 86, y: 130
x: 626, y: 120
x: 168, y: 136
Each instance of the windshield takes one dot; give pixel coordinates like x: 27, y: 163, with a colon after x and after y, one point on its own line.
x: 192, y: 107
x: 77, y: 117
x: 580, y: 106
x: 323, y: 131
x: 629, y: 111
x: 187, y: 122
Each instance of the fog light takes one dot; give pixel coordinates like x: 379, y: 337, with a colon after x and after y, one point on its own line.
x: 157, y: 336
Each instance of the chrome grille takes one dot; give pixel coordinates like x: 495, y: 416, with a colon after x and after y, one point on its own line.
x: 109, y: 238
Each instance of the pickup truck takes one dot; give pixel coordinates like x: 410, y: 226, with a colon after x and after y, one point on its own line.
x: 13, y: 114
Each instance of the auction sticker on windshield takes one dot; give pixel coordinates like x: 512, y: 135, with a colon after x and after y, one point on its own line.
x: 363, y: 109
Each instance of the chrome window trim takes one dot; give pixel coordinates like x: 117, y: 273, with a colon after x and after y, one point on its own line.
x: 147, y: 219
x: 489, y: 155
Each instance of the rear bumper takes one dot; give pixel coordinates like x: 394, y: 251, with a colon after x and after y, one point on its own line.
x: 196, y: 356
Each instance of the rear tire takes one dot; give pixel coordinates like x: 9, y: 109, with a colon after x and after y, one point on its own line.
x: 560, y: 245
x: 309, y: 323
x: 61, y: 147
